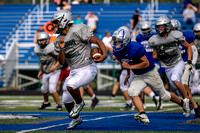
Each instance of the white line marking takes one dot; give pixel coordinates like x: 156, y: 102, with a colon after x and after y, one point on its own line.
x: 99, y: 118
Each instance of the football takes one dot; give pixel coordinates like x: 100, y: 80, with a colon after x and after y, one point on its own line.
x: 95, y: 52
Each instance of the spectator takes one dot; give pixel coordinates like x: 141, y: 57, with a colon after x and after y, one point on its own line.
x: 89, y: 1
x: 62, y: 4
x: 41, y: 29
x: 134, y: 23
x: 189, y: 14
x: 185, y: 3
x: 91, y: 20
x: 107, y: 41
x: 76, y: 2
x: 78, y: 20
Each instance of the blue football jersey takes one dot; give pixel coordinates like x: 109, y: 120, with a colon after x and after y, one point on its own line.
x: 189, y: 37
x: 132, y: 54
x: 144, y: 42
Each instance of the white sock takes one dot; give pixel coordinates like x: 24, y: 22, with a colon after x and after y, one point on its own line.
x: 46, y: 102
x: 151, y: 95
x: 93, y: 96
x: 128, y: 102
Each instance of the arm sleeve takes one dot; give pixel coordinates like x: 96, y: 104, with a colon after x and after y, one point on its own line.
x: 194, y: 54
x: 178, y: 35
x: 84, y: 33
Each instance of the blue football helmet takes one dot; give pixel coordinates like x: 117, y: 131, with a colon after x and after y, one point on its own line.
x: 120, y: 38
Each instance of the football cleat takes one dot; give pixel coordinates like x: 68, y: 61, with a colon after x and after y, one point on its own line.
x: 127, y: 107
x: 76, y: 110
x: 74, y: 123
x: 157, y: 101
x: 186, y: 107
x: 59, y: 107
x: 94, y: 103
x: 43, y: 106
x: 142, y: 118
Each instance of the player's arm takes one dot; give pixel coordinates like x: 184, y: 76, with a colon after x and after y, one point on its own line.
x: 189, y: 49
x: 127, y: 76
x: 143, y: 64
x: 102, y: 46
x: 61, y: 55
x: 194, y: 53
x: 155, y: 55
x: 53, y: 68
x: 40, y: 72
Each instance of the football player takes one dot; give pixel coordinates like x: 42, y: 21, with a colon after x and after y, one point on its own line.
x: 195, y: 87
x: 73, y: 45
x: 49, y: 69
x: 133, y: 57
x: 145, y: 33
x: 188, y: 74
x: 166, y: 49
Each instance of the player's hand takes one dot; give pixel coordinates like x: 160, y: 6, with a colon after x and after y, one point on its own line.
x: 125, y: 65
x: 39, y: 75
x: 61, y: 43
x: 100, y: 58
x: 52, y: 69
x: 189, y: 65
x: 126, y: 79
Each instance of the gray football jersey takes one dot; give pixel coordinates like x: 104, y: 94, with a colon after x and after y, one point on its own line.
x: 77, y: 47
x: 197, y: 44
x: 168, y: 49
x: 47, y: 56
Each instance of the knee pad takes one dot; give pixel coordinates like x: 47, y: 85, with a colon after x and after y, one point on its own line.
x: 175, y: 78
x: 166, y: 96
x: 132, y: 93
x: 67, y: 97
x: 52, y: 90
x: 43, y: 90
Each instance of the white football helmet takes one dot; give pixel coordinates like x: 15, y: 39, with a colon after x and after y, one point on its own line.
x: 175, y: 24
x: 62, y: 18
x: 163, y: 25
x: 43, y: 36
x: 196, y: 29
x: 146, y: 29
x: 121, y: 35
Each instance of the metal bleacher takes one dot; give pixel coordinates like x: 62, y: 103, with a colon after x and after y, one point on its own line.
x: 19, y: 22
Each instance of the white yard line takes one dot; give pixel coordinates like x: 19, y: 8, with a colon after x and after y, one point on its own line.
x: 99, y: 118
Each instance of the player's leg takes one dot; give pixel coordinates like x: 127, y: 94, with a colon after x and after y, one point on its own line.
x: 82, y: 91
x: 45, y: 91
x: 79, y: 77
x: 142, y: 95
x: 153, y: 79
x: 195, y: 89
x: 157, y: 100
x: 136, y: 86
x: 174, y: 75
x: 90, y: 92
x: 68, y: 101
x: 115, y: 86
x: 124, y: 89
x: 53, y: 79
